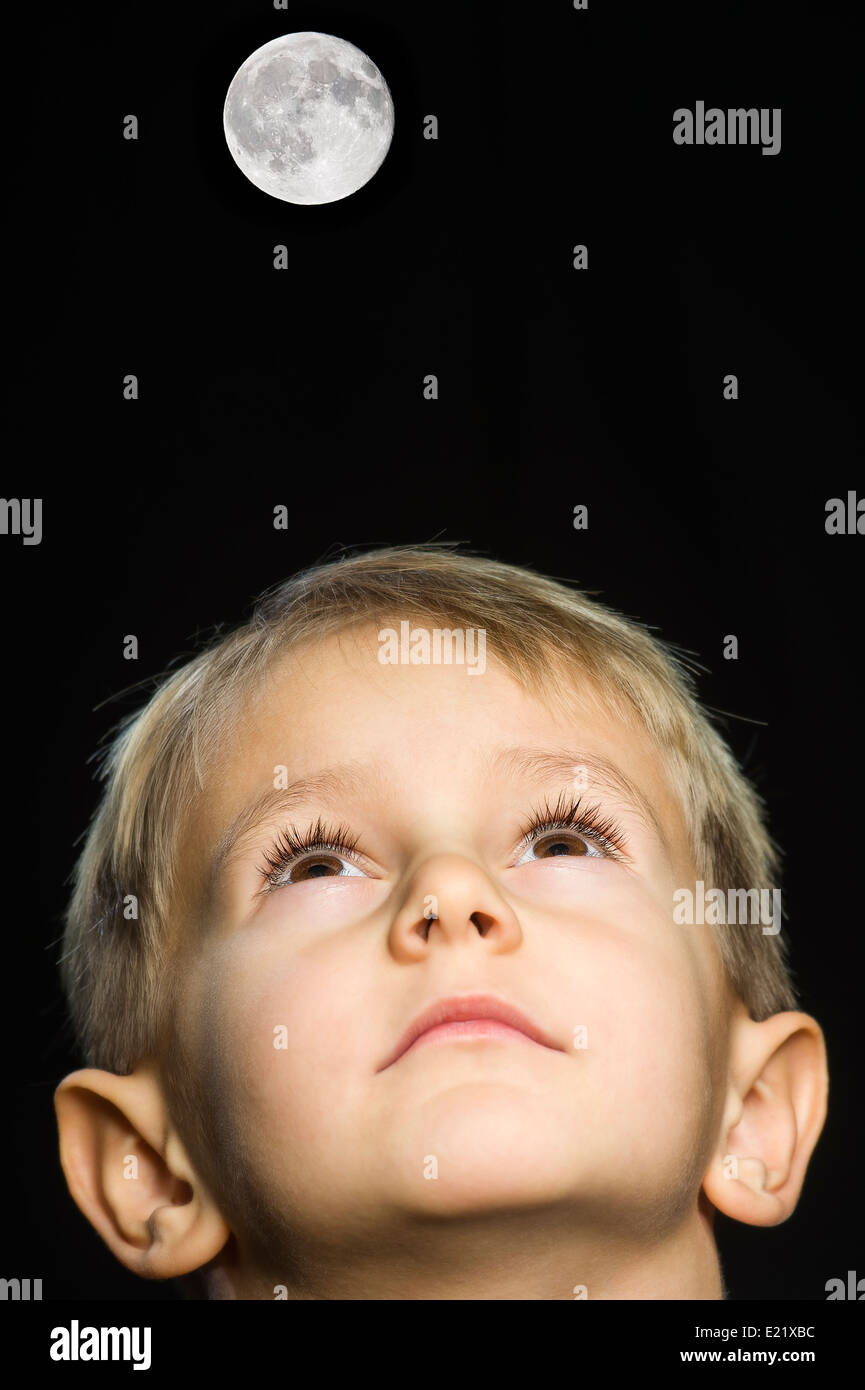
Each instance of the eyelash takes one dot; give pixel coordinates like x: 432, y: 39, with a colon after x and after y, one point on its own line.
x: 566, y: 814
x: 289, y: 847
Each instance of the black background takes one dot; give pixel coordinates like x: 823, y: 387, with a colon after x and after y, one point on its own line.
x: 304, y: 387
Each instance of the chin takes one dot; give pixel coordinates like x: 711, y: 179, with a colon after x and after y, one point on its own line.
x: 479, y: 1149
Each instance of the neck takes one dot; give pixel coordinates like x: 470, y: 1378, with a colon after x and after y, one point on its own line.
x: 518, y: 1256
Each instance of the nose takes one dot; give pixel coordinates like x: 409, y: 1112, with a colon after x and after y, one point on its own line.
x: 451, y: 899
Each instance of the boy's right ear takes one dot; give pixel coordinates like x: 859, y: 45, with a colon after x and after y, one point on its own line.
x: 130, y: 1175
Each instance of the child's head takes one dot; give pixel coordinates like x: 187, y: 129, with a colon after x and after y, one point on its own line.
x: 356, y: 806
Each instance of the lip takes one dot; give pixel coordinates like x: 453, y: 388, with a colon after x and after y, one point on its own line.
x: 465, y: 1008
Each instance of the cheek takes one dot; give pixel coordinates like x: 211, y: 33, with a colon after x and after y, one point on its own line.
x: 291, y: 1033
x: 658, y: 1058
x: 642, y: 1061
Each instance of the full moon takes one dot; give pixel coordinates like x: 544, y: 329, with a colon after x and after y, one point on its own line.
x: 308, y: 118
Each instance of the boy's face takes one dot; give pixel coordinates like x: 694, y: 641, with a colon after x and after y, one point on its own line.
x: 296, y: 998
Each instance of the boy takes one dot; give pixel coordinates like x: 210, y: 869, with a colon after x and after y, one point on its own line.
x: 377, y: 958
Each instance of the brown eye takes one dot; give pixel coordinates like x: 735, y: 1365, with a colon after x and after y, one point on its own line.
x: 556, y: 847
x: 320, y: 852
x: 569, y: 831
x: 316, y: 868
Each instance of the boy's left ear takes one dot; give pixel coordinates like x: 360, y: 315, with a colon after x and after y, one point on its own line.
x: 774, y: 1112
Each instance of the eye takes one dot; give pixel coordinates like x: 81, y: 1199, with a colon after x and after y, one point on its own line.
x: 317, y: 866
x: 320, y: 852
x: 571, y: 830
x: 559, y: 846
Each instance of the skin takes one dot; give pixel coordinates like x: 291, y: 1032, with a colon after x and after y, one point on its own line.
x: 560, y: 1172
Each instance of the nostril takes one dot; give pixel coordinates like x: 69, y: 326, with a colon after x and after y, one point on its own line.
x: 482, y: 922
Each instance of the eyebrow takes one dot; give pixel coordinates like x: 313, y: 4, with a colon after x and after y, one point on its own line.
x: 330, y: 782
x: 602, y: 775
x: 539, y: 764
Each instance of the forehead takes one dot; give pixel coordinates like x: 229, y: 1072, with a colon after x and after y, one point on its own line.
x: 407, y: 731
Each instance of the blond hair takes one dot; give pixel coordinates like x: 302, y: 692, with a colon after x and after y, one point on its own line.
x: 116, y: 972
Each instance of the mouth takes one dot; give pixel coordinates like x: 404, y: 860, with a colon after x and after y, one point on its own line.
x: 470, y: 1016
